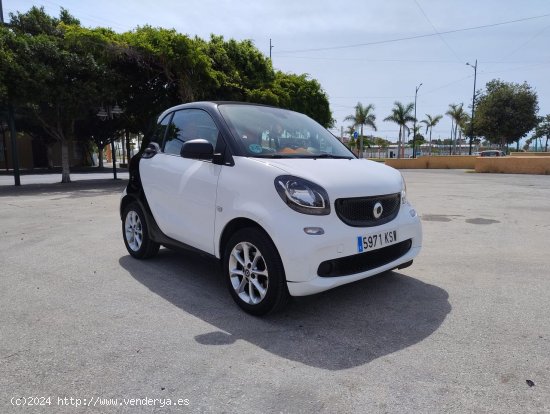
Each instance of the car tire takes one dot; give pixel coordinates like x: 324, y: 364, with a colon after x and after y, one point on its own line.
x: 254, y: 272
x: 135, y: 233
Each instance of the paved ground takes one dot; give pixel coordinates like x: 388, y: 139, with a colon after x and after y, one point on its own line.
x: 462, y: 330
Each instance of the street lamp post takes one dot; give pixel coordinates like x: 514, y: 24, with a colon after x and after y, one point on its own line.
x: 473, y: 106
x: 111, y: 112
x: 11, y: 123
x: 414, y: 127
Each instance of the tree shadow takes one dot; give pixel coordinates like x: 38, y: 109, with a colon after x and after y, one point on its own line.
x: 74, y: 189
x: 338, y: 329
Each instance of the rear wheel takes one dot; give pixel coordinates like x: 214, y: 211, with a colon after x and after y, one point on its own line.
x: 135, y: 233
x: 254, y: 272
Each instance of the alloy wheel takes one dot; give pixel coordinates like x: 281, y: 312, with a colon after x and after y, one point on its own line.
x: 133, y: 230
x: 248, y: 273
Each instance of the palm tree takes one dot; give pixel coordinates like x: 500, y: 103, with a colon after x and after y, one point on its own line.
x: 458, y: 117
x: 400, y: 115
x: 364, y: 116
x: 430, y: 123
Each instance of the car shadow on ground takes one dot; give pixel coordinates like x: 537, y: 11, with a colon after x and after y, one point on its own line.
x: 338, y: 329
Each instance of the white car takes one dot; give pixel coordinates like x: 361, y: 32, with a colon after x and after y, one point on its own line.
x: 285, y: 206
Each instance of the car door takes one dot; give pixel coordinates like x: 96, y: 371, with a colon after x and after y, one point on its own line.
x: 182, y: 192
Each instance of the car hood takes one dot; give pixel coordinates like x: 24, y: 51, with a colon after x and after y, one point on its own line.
x: 342, y: 177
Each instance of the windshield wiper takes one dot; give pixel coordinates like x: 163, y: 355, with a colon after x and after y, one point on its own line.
x: 268, y: 156
x: 343, y: 157
x: 296, y: 156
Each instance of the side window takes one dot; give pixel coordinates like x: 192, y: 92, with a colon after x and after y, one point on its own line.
x: 189, y: 124
x: 160, y: 130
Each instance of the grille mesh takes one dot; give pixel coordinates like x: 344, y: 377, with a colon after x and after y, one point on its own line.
x: 359, y: 212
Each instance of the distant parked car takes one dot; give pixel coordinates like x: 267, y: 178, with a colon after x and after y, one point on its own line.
x: 491, y: 153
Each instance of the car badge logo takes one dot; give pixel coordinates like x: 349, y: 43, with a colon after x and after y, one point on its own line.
x: 377, y: 210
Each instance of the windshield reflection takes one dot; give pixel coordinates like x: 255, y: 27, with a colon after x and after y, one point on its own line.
x: 267, y: 132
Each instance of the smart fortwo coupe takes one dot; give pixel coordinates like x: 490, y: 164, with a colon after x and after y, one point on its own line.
x: 284, y: 205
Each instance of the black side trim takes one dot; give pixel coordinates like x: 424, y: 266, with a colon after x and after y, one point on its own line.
x: 363, y: 262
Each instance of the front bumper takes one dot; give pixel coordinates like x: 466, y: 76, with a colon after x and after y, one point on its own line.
x: 304, y: 253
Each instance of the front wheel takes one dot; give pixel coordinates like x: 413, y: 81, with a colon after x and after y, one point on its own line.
x: 254, y: 272
x: 135, y: 234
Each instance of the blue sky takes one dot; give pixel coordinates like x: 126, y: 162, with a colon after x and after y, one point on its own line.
x: 332, y: 41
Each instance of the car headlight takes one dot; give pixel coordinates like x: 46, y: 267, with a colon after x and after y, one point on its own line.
x: 302, y: 195
x: 403, y: 190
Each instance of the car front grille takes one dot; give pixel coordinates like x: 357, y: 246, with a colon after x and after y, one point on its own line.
x: 363, y: 262
x: 359, y: 212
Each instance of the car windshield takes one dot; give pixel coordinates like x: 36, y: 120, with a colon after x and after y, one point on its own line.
x: 267, y: 132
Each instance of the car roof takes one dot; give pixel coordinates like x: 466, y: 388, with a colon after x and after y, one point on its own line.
x: 209, y: 105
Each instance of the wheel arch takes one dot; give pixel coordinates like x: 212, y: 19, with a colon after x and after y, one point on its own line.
x: 234, y: 225
x: 125, y: 202
x: 139, y: 198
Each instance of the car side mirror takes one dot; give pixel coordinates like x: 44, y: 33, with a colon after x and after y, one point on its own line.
x: 197, y: 149
x: 152, y: 149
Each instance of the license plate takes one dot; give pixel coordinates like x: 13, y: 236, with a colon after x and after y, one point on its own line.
x: 376, y: 241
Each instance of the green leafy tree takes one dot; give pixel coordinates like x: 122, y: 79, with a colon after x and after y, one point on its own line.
x: 364, y: 116
x: 381, y: 143
x: 418, y: 138
x: 100, y: 132
x: 350, y: 130
x: 401, y: 115
x: 58, y: 78
x: 59, y: 74
x: 301, y: 94
x: 506, y: 112
x: 178, y: 59
x: 542, y: 130
x: 241, y: 71
x: 430, y: 122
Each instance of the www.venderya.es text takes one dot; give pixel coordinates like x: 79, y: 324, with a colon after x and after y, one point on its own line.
x: 95, y: 401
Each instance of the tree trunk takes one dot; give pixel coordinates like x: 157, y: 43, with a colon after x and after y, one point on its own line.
x: 361, y: 143
x: 430, y: 150
x: 50, y: 156
x: 65, y: 167
x: 100, y: 156
x: 128, y: 156
x: 455, y: 141
x: 451, y: 144
x: 399, y: 144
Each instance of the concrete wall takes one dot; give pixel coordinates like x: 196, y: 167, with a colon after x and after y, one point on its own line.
x: 530, y: 154
x: 513, y: 165
x: 434, y: 162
